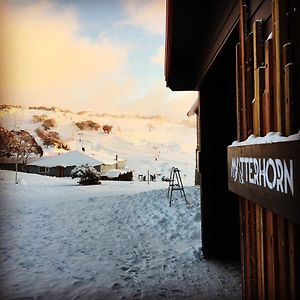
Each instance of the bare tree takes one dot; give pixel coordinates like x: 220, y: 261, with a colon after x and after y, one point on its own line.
x: 18, y: 145
x: 6, y: 142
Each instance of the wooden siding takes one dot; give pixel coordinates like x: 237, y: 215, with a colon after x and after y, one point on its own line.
x: 266, y: 101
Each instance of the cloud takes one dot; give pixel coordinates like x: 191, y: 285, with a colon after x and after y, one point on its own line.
x: 147, y: 14
x: 162, y: 101
x: 159, y: 57
x: 44, y: 60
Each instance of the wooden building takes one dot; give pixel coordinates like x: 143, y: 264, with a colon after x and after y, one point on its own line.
x: 194, y: 110
x: 243, y: 57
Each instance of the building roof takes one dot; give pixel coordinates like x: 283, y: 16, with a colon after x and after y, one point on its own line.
x: 72, y: 158
x: 195, y: 33
x: 194, y: 108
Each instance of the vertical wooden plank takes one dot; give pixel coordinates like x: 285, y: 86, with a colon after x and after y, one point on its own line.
x: 243, y: 33
x: 259, y: 91
x: 249, y: 83
x: 248, y: 269
x: 238, y: 90
x: 253, y: 249
x: 246, y: 288
x: 257, y: 120
x: 268, y: 107
x: 271, y: 254
x: 260, y: 252
x: 296, y: 265
x: 257, y: 62
x: 243, y: 245
x: 257, y: 44
x: 251, y: 246
x: 279, y: 32
x: 289, y: 85
x: 292, y: 260
x: 289, y: 90
x: 284, y: 290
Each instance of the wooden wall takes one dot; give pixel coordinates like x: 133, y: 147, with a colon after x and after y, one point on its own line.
x: 267, y: 81
x: 219, y: 207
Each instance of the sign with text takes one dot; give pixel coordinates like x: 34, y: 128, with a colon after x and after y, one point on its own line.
x: 268, y: 174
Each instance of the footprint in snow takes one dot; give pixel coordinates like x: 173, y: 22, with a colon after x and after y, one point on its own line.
x: 92, y: 199
x: 116, y: 286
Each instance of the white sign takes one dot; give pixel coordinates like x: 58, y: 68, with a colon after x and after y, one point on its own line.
x: 264, y: 172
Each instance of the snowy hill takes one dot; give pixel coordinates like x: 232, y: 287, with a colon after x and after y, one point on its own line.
x: 146, y: 143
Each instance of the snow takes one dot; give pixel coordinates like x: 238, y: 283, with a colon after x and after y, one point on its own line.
x: 118, y: 240
x: 156, y: 148
x: 270, y: 36
x: 72, y: 158
x: 114, y: 173
x: 271, y: 137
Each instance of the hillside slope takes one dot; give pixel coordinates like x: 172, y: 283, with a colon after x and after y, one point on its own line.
x: 147, y: 143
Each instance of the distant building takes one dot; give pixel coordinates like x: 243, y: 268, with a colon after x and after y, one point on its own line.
x: 61, y: 165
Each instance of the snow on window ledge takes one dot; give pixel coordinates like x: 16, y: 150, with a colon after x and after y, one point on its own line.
x: 269, y: 138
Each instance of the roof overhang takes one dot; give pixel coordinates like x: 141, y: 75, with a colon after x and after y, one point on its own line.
x: 194, y: 108
x: 195, y: 33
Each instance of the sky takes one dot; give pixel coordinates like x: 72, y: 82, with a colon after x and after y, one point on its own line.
x: 98, y: 55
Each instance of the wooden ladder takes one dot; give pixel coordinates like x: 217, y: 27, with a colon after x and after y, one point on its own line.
x: 175, y: 186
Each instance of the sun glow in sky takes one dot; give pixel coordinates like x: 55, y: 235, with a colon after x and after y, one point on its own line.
x: 100, y: 55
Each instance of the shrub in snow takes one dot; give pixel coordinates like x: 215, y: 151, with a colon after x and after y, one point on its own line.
x: 51, y: 138
x: 88, y: 125
x: 88, y: 175
x: 49, y: 123
x: 39, y: 118
x: 107, y: 128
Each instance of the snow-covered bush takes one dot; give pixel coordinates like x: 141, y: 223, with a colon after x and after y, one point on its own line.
x: 39, y: 118
x: 88, y: 125
x: 51, y: 138
x: 49, y: 123
x: 88, y: 175
x: 107, y: 128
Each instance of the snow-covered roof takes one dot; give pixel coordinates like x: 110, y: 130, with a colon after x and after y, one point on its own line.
x: 195, y: 108
x: 72, y: 158
x: 115, y: 173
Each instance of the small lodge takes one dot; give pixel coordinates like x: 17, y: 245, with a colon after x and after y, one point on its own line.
x: 61, y: 165
x: 243, y: 58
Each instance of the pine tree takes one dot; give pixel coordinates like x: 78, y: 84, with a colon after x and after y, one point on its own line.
x: 88, y: 175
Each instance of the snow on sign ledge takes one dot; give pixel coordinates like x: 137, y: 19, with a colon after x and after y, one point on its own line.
x: 269, y: 138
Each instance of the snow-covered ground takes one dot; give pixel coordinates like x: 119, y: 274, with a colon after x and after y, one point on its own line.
x: 118, y: 240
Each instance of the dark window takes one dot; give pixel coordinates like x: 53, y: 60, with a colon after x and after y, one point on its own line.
x: 43, y: 170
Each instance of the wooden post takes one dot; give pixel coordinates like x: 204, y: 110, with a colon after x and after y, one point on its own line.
x: 16, y: 178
